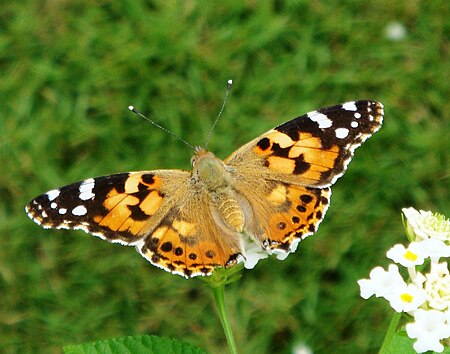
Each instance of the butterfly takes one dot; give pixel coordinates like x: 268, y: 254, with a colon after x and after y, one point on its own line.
x: 274, y: 190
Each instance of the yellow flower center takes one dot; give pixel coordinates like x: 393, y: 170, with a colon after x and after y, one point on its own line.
x: 406, y: 297
x: 410, y: 256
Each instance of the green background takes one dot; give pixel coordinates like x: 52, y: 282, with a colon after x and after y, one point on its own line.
x: 68, y: 71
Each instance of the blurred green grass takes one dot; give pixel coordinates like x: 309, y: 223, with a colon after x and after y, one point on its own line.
x: 70, y: 69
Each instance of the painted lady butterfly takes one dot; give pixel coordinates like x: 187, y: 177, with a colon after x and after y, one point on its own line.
x: 274, y: 190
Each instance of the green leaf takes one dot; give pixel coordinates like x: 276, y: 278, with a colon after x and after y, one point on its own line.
x: 134, y: 344
x: 401, y: 343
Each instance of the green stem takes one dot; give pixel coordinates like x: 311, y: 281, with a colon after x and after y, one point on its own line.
x: 390, y: 332
x: 219, y: 296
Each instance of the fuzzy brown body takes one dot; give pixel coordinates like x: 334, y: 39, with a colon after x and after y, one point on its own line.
x: 212, y: 175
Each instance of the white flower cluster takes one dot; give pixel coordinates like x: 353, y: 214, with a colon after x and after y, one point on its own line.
x: 426, y: 297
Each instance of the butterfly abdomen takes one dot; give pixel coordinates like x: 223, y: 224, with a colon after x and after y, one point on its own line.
x: 230, y: 211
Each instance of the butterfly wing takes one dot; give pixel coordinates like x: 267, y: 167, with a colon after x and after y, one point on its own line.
x: 118, y: 208
x: 285, y: 174
x: 282, y: 213
x: 156, y: 211
x: 313, y: 149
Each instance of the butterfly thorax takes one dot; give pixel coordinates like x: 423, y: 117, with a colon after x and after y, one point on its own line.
x: 212, y: 177
x: 209, y: 170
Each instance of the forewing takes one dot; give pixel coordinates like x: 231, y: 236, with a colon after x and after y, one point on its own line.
x: 313, y: 149
x: 118, y: 208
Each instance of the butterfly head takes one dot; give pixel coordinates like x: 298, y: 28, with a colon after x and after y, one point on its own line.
x: 208, y: 169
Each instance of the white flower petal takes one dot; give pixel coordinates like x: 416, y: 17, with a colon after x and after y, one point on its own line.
x: 407, y: 257
x: 429, y: 327
x: 407, y: 299
x: 417, y: 277
x: 366, y: 288
x: 433, y: 248
x: 382, y: 283
x: 253, y: 253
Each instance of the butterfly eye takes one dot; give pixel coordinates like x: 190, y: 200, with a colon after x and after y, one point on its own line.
x: 193, y: 160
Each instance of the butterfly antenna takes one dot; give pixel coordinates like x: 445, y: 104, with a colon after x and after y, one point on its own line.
x: 220, y: 113
x: 135, y: 111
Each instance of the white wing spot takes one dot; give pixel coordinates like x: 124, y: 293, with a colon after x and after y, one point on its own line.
x: 321, y: 119
x: 354, y: 124
x: 357, y: 115
x: 53, y: 194
x: 80, y: 210
x: 341, y: 133
x: 44, y: 214
x: 349, y: 106
x: 53, y: 205
x: 86, y: 189
x: 62, y: 211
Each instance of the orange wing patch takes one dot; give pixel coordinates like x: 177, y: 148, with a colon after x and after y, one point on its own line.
x: 129, y: 209
x: 306, y: 157
x: 298, y: 216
